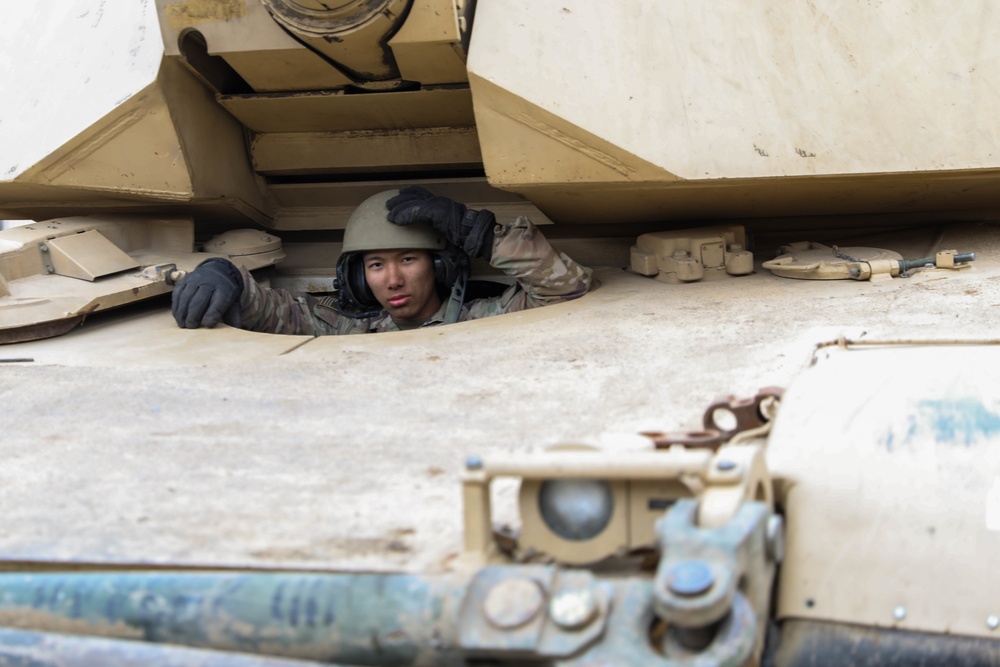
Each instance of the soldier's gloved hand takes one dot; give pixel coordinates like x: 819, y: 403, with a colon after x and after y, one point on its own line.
x: 472, y: 231
x: 208, y: 295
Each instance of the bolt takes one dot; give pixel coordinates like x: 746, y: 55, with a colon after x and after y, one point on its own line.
x: 690, y: 578
x: 725, y: 465
x: 855, y: 272
x: 474, y: 463
x: 573, y: 609
x: 513, y: 602
x: 774, y: 538
x: 899, y: 613
x: 993, y: 621
x: 43, y: 247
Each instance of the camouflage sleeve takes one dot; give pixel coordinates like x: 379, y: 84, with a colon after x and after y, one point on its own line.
x: 543, y: 275
x: 274, y: 310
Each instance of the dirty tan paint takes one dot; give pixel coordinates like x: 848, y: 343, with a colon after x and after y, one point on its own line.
x: 194, y: 12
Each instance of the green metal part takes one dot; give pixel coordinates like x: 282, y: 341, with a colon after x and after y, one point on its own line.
x: 362, y: 618
x: 712, y: 615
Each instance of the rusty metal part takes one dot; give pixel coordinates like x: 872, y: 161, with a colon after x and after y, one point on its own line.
x: 709, y: 438
x: 40, y: 330
x: 747, y: 412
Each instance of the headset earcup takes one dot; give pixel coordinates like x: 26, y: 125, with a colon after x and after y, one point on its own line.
x: 358, y: 285
x: 441, y: 272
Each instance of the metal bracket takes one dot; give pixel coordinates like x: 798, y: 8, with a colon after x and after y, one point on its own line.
x: 703, y: 573
x: 532, y: 611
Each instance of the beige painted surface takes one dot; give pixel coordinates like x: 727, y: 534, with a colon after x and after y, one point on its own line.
x: 130, y: 440
x: 41, y: 112
x: 609, y: 112
x: 755, y: 88
x: 904, y: 509
x: 601, y: 113
x: 245, y: 35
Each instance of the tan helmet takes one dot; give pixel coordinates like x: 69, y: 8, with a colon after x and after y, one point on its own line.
x: 368, y: 228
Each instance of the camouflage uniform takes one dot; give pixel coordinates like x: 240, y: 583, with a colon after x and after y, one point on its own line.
x: 543, y: 277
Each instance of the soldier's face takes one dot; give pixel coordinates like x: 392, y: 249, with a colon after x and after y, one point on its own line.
x: 403, y: 282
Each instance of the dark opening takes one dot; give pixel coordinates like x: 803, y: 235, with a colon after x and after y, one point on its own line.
x: 213, y: 70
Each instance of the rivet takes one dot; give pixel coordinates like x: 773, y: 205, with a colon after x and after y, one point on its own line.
x: 573, y: 609
x: 993, y: 621
x: 725, y: 464
x: 899, y: 613
x: 690, y: 578
x: 474, y: 463
x: 513, y: 602
x: 43, y: 247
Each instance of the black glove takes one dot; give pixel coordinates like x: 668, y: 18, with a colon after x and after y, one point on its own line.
x: 472, y: 231
x: 209, y: 294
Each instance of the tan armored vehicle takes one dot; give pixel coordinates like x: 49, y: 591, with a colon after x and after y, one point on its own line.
x: 787, y: 205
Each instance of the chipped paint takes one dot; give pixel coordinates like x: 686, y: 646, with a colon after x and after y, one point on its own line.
x: 959, y: 421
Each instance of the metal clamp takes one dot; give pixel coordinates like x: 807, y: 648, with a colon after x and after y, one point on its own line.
x: 749, y: 413
x: 705, y: 576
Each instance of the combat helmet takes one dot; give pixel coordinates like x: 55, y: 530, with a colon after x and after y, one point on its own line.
x: 369, y: 228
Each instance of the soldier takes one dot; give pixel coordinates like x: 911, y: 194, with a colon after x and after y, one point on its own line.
x: 404, y: 265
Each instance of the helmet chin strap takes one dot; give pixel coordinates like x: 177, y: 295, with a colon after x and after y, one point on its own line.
x: 457, y: 300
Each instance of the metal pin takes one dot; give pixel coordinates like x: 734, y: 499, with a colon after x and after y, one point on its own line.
x: 899, y: 613
x: 474, y: 463
x: 993, y: 621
